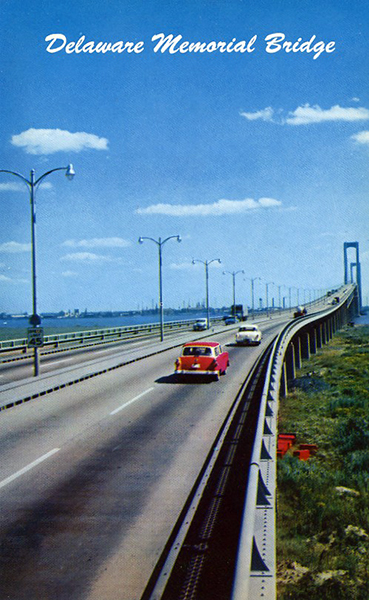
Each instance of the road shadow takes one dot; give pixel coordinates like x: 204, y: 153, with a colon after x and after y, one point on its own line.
x: 184, y: 379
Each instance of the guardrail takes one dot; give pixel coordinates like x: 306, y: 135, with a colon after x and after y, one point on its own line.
x: 125, y: 332
x: 256, y: 563
x: 106, y: 334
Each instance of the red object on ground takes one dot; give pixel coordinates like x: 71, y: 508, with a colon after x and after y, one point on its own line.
x: 302, y: 454
x: 285, y: 441
x: 287, y: 436
x: 313, y: 448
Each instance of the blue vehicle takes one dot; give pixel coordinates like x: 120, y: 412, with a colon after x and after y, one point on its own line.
x: 230, y: 320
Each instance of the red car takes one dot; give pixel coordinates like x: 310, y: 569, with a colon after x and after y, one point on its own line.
x: 202, y: 358
x: 300, y: 312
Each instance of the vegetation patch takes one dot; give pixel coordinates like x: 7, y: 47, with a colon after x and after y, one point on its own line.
x: 323, y: 502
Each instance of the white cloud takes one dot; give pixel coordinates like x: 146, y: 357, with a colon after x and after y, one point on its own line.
x: 6, y: 279
x: 181, y: 266
x: 15, y: 186
x: 48, y: 141
x: 88, y: 257
x: 265, y: 115
x: 14, y: 247
x: 218, y: 208
x: 12, y: 187
x: 306, y: 115
x: 362, y: 137
x: 69, y: 274
x: 113, y: 242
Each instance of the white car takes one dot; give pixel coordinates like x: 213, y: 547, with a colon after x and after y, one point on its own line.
x: 200, y: 325
x: 249, y: 335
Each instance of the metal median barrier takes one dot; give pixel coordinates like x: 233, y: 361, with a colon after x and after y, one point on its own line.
x: 124, y: 333
x: 80, y: 338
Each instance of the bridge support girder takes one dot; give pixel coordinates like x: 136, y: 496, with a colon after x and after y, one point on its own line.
x: 348, y: 272
x: 305, y: 345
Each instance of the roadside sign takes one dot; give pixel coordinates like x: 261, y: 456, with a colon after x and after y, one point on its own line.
x: 35, y: 320
x: 35, y: 337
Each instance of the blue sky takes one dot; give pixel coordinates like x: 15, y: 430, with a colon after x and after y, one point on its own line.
x: 257, y: 158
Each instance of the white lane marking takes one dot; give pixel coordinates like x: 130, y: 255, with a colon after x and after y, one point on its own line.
x: 56, y: 362
x: 28, y: 467
x: 131, y: 401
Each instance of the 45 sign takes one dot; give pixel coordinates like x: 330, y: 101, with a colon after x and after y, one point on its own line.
x: 35, y: 337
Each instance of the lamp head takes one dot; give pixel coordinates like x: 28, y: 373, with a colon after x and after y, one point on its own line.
x: 70, y: 172
x: 140, y: 240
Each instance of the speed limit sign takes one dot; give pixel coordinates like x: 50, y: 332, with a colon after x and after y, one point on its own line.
x: 35, y: 337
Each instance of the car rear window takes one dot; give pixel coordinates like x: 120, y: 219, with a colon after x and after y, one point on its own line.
x: 196, y: 351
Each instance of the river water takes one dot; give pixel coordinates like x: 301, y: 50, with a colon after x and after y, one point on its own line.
x: 17, y: 327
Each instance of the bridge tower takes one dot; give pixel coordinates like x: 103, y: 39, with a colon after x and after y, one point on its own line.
x: 349, y: 272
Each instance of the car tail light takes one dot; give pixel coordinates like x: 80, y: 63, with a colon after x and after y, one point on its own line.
x: 177, y: 364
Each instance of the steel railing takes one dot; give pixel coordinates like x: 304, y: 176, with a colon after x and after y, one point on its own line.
x: 255, y: 575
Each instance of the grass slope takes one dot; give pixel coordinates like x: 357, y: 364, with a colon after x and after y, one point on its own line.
x: 323, y: 503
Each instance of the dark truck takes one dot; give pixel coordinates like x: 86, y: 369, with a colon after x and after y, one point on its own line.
x: 237, y: 311
x: 300, y: 312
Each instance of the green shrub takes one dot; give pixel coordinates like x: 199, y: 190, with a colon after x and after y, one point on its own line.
x: 351, y: 434
x: 338, y: 405
x: 358, y: 461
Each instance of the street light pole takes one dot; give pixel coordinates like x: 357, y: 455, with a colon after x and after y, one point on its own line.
x: 267, y: 300
x: 33, y: 242
x: 293, y: 287
x: 160, y: 243
x: 32, y: 184
x: 206, y: 263
x: 252, y: 293
x: 233, y: 273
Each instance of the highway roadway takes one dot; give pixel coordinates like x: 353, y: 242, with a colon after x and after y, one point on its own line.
x: 93, y: 477
x: 17, y: 367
